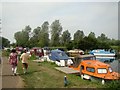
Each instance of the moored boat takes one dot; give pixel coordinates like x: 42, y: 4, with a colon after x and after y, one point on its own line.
x: 60, y: 58
x: 102, y: 52
x: 94, y: 69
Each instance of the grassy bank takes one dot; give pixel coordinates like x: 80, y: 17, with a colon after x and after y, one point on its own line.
x: 44, y: 75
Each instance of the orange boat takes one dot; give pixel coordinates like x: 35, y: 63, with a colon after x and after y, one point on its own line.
x: 94, y: 68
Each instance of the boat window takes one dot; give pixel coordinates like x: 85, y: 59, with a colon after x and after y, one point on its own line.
x: 89, y: 58
x: 82, y: 67
x: 58, y: 60
x: 102, y: 70
x: 60, y: 53
x: 40, y: 50
x: 90, y: 69
x: 110, y: 69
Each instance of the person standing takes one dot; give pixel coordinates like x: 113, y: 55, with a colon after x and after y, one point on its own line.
x: 13, y: 60
x: 24, y: 57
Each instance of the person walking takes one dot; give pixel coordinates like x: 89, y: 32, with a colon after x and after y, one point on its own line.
x: 24, y: 57
x: 13, y: 60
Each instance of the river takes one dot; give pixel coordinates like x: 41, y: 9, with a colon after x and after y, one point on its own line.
x: 113, y: 61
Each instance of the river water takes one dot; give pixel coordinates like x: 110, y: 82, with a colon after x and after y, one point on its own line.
x: 113, y: 61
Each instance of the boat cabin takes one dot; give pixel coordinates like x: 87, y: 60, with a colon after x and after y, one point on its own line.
x: 76, y: 60
x: 75, y: 52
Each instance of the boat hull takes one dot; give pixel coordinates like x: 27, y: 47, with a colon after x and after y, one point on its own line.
x: 104, y: 55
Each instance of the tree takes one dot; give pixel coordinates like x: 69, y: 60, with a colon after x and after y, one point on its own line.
x: 103, y: 42
x: 27, y: 29
x: 102, y: 38
x: 44, y: 35
x: 18, y: 38
x: 92, y: 35
x: 66, y: 37
x: 103, y: 45
x: 35, y: 37
x: 78, y: 37
x: 87, y: 43
x: 56, y: 30
x: 69, y: 45
x: 118, y: 42
x: 22, y: 37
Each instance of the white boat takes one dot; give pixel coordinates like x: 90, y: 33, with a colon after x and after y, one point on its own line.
x: 102, y: 52
x: 105, y: 59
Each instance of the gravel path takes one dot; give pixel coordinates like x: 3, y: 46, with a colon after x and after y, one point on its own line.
x: 8, y: 80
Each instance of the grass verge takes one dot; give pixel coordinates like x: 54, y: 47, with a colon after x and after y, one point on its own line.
x: 44, y: 75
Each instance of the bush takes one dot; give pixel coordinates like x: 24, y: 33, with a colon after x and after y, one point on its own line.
x: 5, y: 53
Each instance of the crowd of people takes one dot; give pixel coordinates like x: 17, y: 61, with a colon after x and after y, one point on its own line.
x: 13, y: 61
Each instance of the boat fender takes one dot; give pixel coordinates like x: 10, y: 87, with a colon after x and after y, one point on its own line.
x: 103, y: 81
x: 82, y: 76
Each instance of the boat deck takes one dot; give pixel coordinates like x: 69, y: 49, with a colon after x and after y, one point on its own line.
x: 67, y: 70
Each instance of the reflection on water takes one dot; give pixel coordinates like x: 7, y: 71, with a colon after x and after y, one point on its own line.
x: 113, y: 61
x: 115, y: 65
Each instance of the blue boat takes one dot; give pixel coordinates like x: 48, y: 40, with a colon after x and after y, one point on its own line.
x: 60, y: 58
x: 102, y: 52
x: 58, y: 55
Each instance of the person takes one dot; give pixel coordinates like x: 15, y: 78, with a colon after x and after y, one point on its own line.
x: 13, y: 60
x: 65, y: 81
x: 24, y: 57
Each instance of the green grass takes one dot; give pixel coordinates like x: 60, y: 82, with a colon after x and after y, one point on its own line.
x: 5, y: 53
x: 44, y: 75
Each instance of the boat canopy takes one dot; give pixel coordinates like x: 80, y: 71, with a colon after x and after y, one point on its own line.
x: 58, y: 55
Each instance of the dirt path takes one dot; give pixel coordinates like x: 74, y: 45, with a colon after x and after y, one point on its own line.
x: 8, y: 80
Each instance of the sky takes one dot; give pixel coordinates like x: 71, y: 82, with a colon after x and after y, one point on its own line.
x: 97, y: 17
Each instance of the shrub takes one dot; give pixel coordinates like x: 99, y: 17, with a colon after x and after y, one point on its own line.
x: 5, y: 53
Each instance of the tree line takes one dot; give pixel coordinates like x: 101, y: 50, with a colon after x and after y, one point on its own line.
x: 53, y: 36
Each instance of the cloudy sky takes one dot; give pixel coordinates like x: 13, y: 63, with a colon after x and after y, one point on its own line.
x: 97, y: 17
